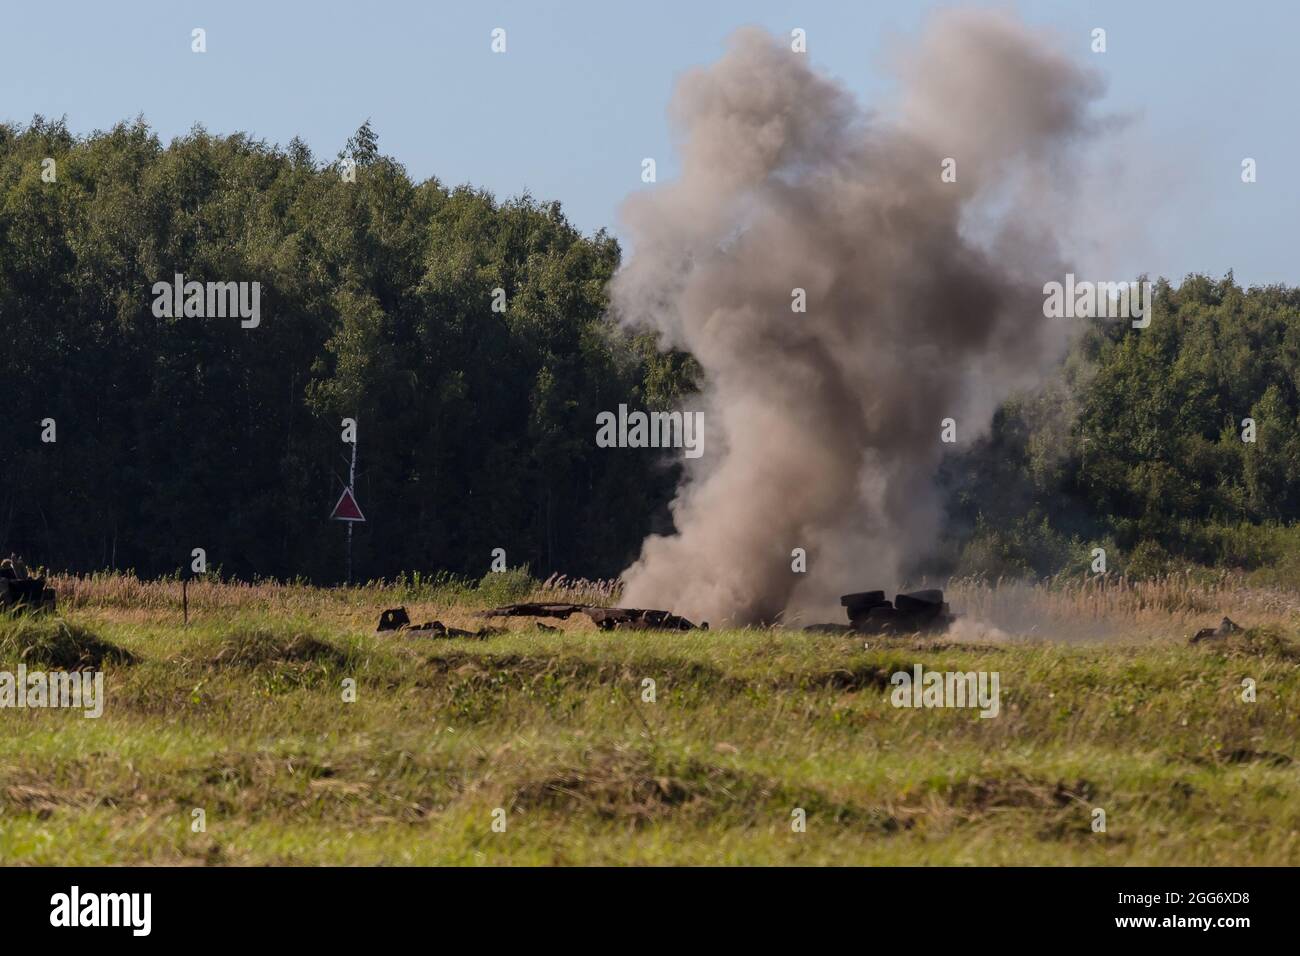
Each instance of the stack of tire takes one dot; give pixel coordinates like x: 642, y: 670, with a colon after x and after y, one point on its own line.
x: 912, y: 613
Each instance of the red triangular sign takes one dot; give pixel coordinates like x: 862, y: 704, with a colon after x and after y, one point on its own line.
x: 346, y: 509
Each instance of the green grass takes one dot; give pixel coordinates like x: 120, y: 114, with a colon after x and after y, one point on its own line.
x: 242, y: 715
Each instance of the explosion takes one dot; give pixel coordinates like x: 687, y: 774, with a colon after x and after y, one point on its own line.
x: 847, y: 281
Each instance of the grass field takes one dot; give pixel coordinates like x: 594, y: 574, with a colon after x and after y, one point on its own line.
x: 241, y: 715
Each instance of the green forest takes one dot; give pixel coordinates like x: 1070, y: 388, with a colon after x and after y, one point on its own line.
x: 476, y: 425
x: 1142, y: 447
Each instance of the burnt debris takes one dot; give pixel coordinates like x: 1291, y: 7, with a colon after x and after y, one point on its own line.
x: 21, y: 593
x: 561, y: 611
x: 396, y: 619
x: 605, y: 618
x: 639, y: 619
x: 1227, y: 627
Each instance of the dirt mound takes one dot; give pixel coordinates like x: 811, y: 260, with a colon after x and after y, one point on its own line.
x: 58, y: 644
x: 1017, y: 790
x: 864, y: 677
x: 251, y: 648
x: 525, y: 670
x: 638, y: 787
x: 610, y: 788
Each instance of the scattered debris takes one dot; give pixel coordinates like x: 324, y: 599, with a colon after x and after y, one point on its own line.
x: 639, y: 619
x: 396, y: 619
x: 910, y: 613
x: 1226, y: 628
x: 562, y: 611
x: 20, y: 592
x: 605, y: 618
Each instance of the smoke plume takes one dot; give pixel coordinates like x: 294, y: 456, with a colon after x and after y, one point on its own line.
x: 924, y: 300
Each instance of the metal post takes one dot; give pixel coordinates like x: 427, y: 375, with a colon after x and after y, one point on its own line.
x: 352, y: 481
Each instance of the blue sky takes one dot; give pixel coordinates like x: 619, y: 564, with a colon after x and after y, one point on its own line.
x: 580, y: 98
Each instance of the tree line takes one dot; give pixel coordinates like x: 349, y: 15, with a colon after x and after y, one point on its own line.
x: 132, y: 436
x: 474, y: 425
x: 1173, y: 445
